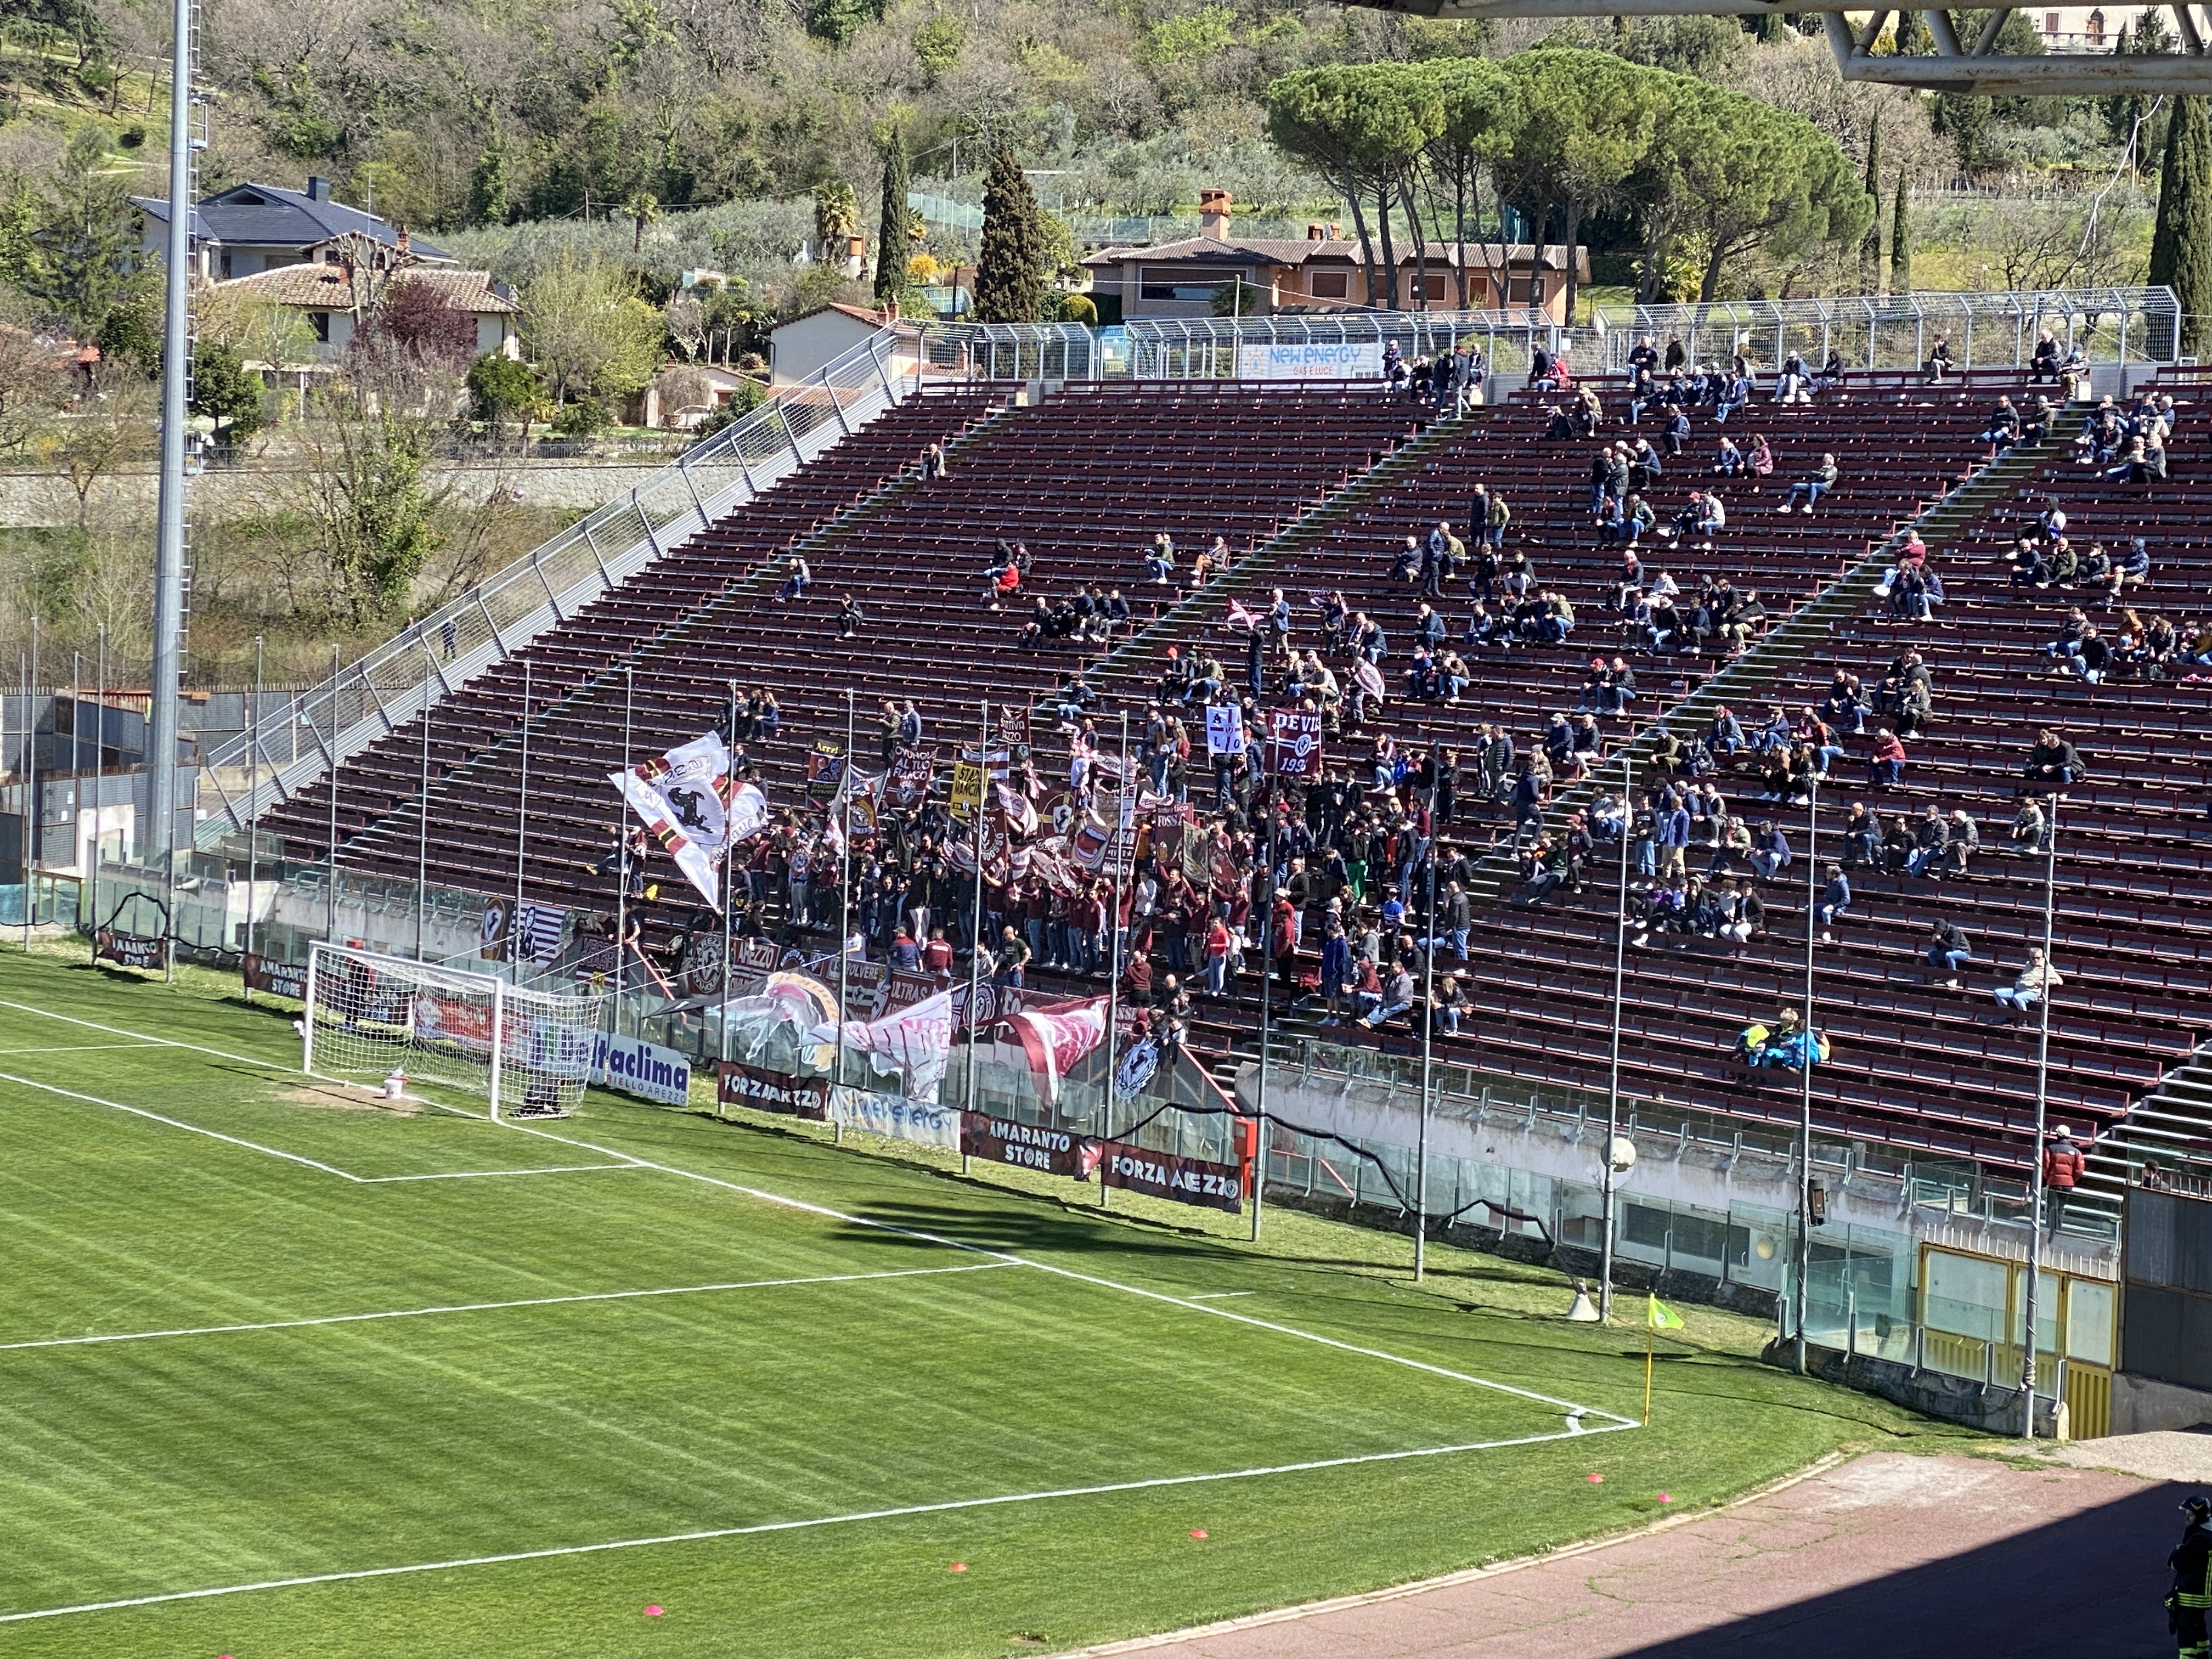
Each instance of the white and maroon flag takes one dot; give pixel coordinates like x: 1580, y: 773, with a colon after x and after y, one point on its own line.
x: 1057, y: 1038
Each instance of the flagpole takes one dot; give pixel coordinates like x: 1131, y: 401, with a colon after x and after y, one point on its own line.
x: 1647, y: 1368
x: 622, y: 946
x: 2036, y: 1196
x: 100, y: 792
x: 521, y: 834
x: 1266, y: 972
x: 423, y: 826
x: 976, y: 925
x: 1809, y: 1050
x: 621, y: 851
x: 31, y: 814
x: 1612, y: 1084
x: 332, y: 928
x: 845, y: 897
x: 1428, y: 1029
x: 1114, y: 952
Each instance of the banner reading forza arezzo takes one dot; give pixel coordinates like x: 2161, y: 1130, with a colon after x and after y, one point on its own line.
x: 1179, y: 1179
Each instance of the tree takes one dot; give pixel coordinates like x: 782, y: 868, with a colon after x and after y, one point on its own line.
x: 1588, y: 124
x: 2181, y: 243
x: 1481, y: 115
x: 644, y: 209
x: 1870, y: 250
x: 84, y: 257
x: 111, y: 425
x: 2130, y: 117
x: 504, y: 390
x: 1364, y: 128
x: 488, y: 185
x: 892, y: 237
x: 375, y: 522
x: 1010, y: 269
x: 417, y: 317
x: 226, y: 392
x: 1900, y: 239
x: 837, y: 217
x: 34, y: 387
x: 589, y: 332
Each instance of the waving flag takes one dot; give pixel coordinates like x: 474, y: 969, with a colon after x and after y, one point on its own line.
x: 914, y: 1042
x: 684, y: 798
x: 1239, y: 619
x: 1057, y: 1039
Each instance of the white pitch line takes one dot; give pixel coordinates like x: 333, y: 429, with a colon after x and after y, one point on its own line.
x: 1219, y: 1295
x: 79, y: 1047
x: 492, y: 1307
x: 177, y: 1123
x: 482, y: 1174
x: 265, y: 1063
x: 705, y: 1534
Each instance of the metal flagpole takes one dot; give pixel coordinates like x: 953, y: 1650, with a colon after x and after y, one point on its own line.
x: 622, y: 856
x: 2042, y: 1108
x: 253, y: 788
x: 1606, y: 1177
x: 423, y: 828
x: 32, y: 817
x: 845, y: 898
x: 514, y: 941
x: 729, y: 922
x: 331, y: 930
x: 976, y: 925
x: 176, y: 372
x: 1806, y: 1054
x: 1266, y: 970
x: 1113, y: 954
x: 1428, y: 1030
x: 99, y: 785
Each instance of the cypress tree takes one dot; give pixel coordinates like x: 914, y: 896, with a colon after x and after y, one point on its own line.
x: 1871, y: 250
x: 1900, y: 241
x: 892, y: 233
x: 1010, y: 269
x: 2181, y: 245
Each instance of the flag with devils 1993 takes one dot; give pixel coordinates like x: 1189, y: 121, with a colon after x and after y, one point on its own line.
x: 695, y: 807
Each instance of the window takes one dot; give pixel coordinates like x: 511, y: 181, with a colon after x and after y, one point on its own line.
x: 320, y: 322
x: 1192, y: 285
x: 2050, y: 22
x: 1330, y: 284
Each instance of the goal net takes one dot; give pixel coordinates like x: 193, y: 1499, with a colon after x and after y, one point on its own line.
x: 528, y: 1053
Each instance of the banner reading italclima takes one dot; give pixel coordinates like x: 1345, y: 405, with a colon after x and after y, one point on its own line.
x: 1310, y: 360
x: 635, y: 1066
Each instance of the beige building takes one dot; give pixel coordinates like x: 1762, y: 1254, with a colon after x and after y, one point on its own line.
x: 330, y: 299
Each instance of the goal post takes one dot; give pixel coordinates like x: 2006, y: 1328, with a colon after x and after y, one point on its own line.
x: 527, y: 1053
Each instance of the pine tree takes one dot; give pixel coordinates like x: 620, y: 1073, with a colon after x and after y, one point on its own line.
x: 84, y: 257
x: 1900, y: 241
x: 2181, y: 245
x: 1871, y: 250
x: 487, y: 186
x: 892, y: 240
x: 1010, y: 270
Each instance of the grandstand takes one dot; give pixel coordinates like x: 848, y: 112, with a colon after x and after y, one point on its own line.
x: 1314, y: 486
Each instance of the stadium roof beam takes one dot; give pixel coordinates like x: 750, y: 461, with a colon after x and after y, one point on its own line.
x: 1955, y: 65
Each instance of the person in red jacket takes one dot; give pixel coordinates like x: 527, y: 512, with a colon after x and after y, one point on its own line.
x: 2063, y: 1165
x: 1887, y: 763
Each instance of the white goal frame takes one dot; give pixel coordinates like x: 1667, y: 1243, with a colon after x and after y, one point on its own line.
x: 513, y: 1040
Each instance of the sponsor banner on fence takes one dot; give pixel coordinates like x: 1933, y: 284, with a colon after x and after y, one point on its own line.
x: 1026, y: 1145
x: 644, y: 1069
x: 464, y: 1022
x: 1310, y: 360
x: 924, y: 1124
x: 772, y: 1091
x: 130, y: 949
x: 283, y: 979
x: 1180, y: 1180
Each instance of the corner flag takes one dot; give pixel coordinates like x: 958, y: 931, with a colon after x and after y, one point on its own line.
x: 1660, y: 1317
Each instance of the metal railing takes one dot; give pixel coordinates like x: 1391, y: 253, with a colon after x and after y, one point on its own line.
x: 1014, y: 351
x: 428, y: 660
x: 1898, y: 330
x: 1333, y: 346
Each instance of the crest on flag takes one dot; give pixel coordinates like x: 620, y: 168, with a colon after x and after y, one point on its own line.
x: 685, y: 799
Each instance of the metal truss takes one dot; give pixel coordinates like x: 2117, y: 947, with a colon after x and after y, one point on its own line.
x: 1956, y: 64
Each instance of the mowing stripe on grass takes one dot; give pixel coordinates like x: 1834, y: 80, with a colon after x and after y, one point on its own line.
x: 706, y: 1534
x: 79, y: 1047
x: 145, y: 1037
x: 491, y: 1307
x: 175, y: 1123
x: 483, y: 1175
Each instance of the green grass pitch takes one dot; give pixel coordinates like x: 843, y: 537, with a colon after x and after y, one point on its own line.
x: 494, y: 1392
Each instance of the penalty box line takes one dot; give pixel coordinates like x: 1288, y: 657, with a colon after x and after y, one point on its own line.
x: 494, y: 1307
x: 901, y: 1511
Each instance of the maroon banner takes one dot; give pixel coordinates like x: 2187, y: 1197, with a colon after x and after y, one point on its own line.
x: 1024, y: 1145
x: 283, y: 979
x: 130, y: 949
x: 1294, y: 742
x: 1179, y: 1179
x: 738, y: 1085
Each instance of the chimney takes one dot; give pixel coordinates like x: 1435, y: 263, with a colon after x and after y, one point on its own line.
x: 1316, y: 232
x: 406, y: 243
x: 1214, y: 214
x: 319, y: 188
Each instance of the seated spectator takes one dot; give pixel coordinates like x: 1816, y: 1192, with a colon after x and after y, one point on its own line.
x: 1939, y: 360
x: 1861, y: 836
x: 1729, y: 461
x: 1966, y: 840
x: 796, y: 580
x: 1450, y: 1005
x: 1396, y: 999
x: 1760, y: 458
x: 1814, y: 485
x: 1948, y: 951
x: 1886, y: 765
x: 2035, y: 982
x: 1835, y: 902
x: 2053, y: 760
x: 1929, y: 838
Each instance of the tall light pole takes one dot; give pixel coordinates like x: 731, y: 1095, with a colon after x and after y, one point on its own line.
x: 1608, y: 1175
x: 1428, y: 1028
x: 176, y: 373
x: 1806, y: 1054
x: 2042, y: 1108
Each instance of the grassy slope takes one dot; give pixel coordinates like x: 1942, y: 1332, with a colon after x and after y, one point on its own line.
x: 203, y: 1461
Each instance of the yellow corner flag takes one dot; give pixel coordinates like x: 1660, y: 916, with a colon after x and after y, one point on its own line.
x: 1657, y: 1316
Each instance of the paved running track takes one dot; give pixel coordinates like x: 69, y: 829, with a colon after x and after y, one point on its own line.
x: 1889, y: 1556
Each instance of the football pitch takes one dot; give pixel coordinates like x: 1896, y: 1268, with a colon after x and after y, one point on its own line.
x: 290, y: 1371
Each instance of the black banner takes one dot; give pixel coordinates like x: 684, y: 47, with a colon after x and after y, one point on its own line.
x: 1024, y: 1145
x: 1179, y: 1179
x: 772, y: 1091
x: 283, y: 979
x: 130, y: 949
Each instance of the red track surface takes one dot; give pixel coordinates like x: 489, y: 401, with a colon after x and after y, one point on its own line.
x: 1888, y: 1557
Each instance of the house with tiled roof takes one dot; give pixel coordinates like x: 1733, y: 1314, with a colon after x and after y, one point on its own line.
x: 333, y: 298
x: 1326, y: 271
x: 252, y: 227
